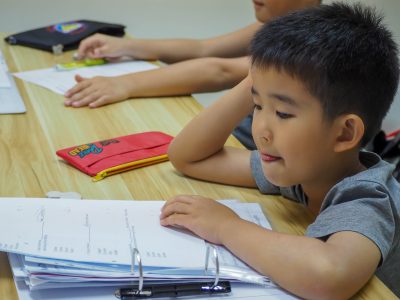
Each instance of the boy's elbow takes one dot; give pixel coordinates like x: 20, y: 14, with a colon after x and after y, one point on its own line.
x: 329, y: 282
x: 234, y: 72
x: 176, y: 158
x: 223, y: 73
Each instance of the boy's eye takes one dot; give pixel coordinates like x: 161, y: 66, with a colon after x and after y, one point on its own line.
x: 257, y: 107
x: 283, y: 115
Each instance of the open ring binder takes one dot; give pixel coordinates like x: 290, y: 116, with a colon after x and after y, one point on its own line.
x: 174, y: 289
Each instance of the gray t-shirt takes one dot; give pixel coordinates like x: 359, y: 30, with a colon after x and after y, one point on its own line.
x: 367, y: 203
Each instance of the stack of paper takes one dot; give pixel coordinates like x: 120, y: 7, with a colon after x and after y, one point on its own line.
x: 63, y: 243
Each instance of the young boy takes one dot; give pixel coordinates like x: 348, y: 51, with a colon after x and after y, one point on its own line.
x: 321, y: 81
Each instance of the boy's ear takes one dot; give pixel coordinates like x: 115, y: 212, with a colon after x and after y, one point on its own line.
x: 349, y: 132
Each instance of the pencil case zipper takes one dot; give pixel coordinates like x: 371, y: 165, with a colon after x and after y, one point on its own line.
x: 130, y: 166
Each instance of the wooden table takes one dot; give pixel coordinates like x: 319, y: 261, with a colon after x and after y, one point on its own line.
x: 30, y: 167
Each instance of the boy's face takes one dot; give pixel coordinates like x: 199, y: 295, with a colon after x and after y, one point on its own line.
x: 295, y: 142
x: 266, y: 10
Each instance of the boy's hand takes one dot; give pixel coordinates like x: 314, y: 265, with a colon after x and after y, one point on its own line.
x: 205, y: 217
x: 103, y: 46
x: 96, y: 91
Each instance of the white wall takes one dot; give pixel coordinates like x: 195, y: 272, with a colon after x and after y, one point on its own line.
x: 164, y: 19
x: 143, y: 18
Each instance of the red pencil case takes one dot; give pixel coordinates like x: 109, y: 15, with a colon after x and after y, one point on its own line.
x: 104, y: 158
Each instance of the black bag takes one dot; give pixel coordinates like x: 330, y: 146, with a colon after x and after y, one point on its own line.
x: 64, y: 36
x: 388, y: 149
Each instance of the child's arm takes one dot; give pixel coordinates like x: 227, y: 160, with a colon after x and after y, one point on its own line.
x: 307, y: 267
x: 233, y: 44
x: 199, y: 151
x: 209, y: 66
x: 187, y: 77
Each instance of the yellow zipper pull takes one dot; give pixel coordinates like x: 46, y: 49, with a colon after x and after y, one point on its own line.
x: 99, y: 176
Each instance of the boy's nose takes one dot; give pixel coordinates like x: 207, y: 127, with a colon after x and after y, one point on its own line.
x: 264, y: 138
x: 262, y: 130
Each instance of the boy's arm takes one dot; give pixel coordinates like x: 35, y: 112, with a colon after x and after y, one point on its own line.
x: 308, y: 267
x: 233, y: 44
x: 199, y: 151
x: 192, y: 76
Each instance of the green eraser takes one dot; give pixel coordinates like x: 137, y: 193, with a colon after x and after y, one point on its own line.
x: 87, y: 62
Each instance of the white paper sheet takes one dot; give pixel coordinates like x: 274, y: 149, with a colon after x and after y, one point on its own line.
x: 61, y: 81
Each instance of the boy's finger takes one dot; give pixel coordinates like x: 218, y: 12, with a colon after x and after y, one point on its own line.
x: 90, y: 97
x: 103, y: 100
x: 174, y: 208
x: 77, y: 88
x: 180, y: 198
x: 175, y: 220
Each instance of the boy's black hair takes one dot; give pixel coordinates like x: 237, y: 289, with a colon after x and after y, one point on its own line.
x: 342, y: 54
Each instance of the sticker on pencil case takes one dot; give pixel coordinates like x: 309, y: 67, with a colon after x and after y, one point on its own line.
x: 68, y: 28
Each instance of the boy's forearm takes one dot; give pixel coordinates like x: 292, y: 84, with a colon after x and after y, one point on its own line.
x: 234, y: 44
x: 193, y: 76
x: 203, y: 139
x: 307, y: 267
x: 168, y: 50
x: 273, y: 254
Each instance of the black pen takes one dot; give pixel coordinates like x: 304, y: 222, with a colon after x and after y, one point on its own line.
x: 174, y: 290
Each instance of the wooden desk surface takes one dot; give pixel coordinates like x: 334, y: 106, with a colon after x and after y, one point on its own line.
x: 30, y: 167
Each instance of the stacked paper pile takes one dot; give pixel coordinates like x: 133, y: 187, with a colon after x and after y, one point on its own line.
x: 58, y: 243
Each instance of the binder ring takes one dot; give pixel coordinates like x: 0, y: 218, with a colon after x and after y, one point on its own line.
x: 136, y: 256
x: 216, y: 261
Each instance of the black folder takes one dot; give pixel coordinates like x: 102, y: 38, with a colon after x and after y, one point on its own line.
x: 63, y: 36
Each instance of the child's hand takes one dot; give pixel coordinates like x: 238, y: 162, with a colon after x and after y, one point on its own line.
x: 203, y: 216
x: 96, y: 91
x: 100, y: 45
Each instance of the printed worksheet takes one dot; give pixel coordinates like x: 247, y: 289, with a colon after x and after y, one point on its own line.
x: 95, y: 231
x: 106, y: 232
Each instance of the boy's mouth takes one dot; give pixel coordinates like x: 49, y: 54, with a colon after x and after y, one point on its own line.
x: 269, y: 158
x: 258, y: 3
